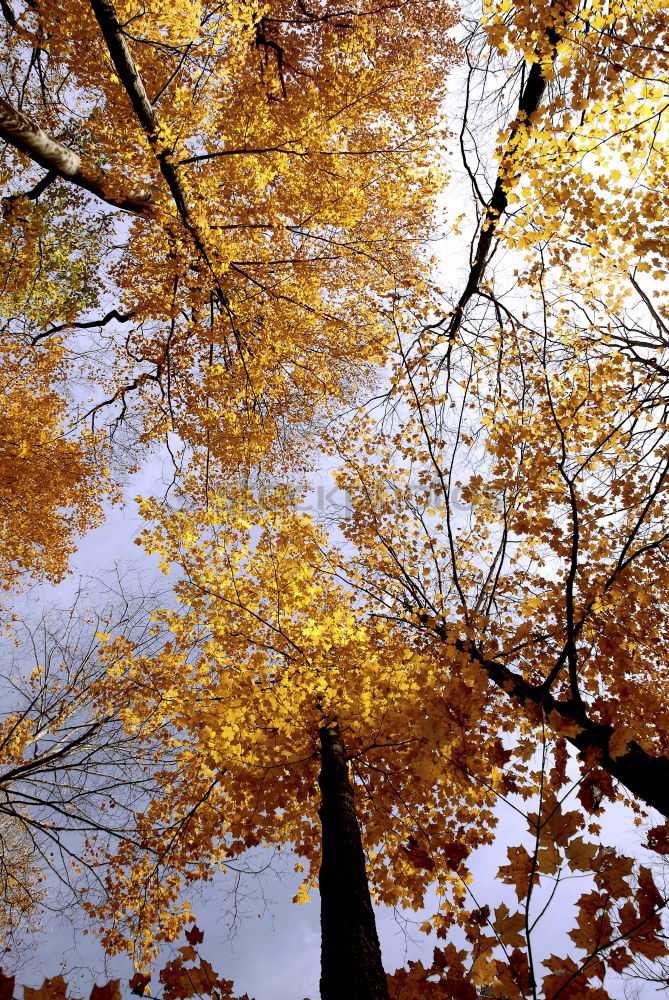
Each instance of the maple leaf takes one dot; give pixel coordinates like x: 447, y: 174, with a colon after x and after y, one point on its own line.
x: 455, y: 853
x: 110, y: 991
x: 514, y: 975
x: 194, y: 935
x: 649, y: 944
x: 612, y: 873
x: 548, y: 858
x: 418, y: 857
x: 619, y: 740
x: 510, y: 926
x: 619, y: 959
x: 648, y: 896
x: 562, y: 971
x: 181, y: 983
x: 517, y: 872
x: 6, y: 986
x: 51, y: 989
x: 138, y: 983
x: 580, y: 854
x: 658, y: 839
x: 481, y: 915
x: 562, y: 725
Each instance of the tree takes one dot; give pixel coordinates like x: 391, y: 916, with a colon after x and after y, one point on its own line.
x: 72, y: 782
x: 280, y: 168
x: 438, y: 649
x: 284, y: 642
x: 538, y: 600
x: 275, y: 677
x: 548, y: 419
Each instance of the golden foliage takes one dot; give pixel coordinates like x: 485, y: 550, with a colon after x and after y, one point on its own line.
x: 289, y: 157
x: 51, y: 482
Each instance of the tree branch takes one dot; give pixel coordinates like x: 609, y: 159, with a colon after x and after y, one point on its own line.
x: 644, y: 775
x: 129, y: 75
x: 528, y: 103
x: 88, y: 325
x: 25, y: 135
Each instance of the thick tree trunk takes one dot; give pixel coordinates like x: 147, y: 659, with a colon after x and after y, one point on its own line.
x: 351, y: 967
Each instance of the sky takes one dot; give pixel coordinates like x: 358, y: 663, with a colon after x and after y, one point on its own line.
x: 271, y: 949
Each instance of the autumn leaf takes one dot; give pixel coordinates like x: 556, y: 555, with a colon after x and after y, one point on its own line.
x: 455, y: 853
x: 510, y: 926
x: 649, y: 944
x: 619, y: 959
x: 513, y: 975
x: 648, y: 896
x: 564, y: 726
x: 110, y: 991
x: 51, y: 989
x: 418, y: 857
x: 562, y: 971
x: 194, y: 935
x: 182, y: 983
x: 138, y: 983
x: 517, y: 872
x: 658, y: 839
x: 612, y: 872
x: 548, y: 858
x: 481, y: 915
x: 618, y: 742
x: 580, y: 854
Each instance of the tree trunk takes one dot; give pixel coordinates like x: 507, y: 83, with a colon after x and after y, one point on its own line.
x: 351, y: 967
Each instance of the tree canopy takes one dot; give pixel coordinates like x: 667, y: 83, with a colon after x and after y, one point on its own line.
x: 278, y: 168
x: 217, y: 241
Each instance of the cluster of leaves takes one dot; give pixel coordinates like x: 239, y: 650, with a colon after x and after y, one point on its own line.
x: 178, y: 980
x: 52, y: 482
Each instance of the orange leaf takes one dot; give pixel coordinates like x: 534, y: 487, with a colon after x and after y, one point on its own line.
x: 6, y: 986
x: 510, y: 926
x: 517, y: 872
x: 110, y: 991
x: 51, y: 989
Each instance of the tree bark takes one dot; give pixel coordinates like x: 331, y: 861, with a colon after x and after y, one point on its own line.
x: 351, y: 967
x: 25, y: 135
